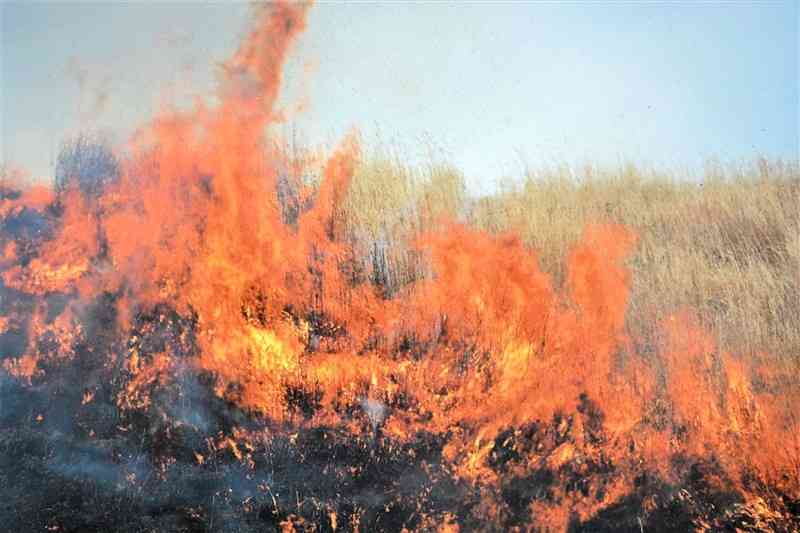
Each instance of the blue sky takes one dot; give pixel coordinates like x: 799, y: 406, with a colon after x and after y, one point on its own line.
x: 490, y: 84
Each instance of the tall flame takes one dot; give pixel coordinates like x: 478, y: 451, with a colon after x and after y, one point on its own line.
x: 486, y: 346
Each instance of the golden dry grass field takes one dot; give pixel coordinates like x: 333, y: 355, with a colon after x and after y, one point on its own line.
x: 725, y: 244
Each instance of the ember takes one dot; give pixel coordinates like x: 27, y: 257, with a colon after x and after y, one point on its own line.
x: 181, y: 354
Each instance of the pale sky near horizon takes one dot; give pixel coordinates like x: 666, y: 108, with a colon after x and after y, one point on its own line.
x: 491, y: 84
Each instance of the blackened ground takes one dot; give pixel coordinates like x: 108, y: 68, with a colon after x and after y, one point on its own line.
x: 72, y: 464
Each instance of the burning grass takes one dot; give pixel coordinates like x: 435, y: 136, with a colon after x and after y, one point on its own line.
x: 210, y: 342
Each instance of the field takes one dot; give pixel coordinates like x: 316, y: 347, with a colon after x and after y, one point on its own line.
x: 209, y: 330
x: 723, y: 242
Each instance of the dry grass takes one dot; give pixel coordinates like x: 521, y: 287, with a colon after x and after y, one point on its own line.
x: 389, y: 204
x: 725, y: 244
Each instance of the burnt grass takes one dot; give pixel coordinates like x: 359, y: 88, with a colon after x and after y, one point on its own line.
x: 73, y: 460
x: 71, y: 465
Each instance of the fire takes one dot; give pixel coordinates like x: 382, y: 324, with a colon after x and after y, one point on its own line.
x: 525, y: 382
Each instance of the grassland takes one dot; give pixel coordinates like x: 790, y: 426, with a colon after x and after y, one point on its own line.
x: 725, y: 244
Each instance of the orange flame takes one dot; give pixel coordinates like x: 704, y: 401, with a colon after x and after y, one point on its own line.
x: 193, y: 222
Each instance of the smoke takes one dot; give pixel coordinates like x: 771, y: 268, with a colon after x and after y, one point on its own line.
x: 94, y: 91
x: 185, y: 350
x: 375, y: 410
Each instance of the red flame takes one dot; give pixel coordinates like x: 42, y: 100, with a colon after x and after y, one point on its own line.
x: 484, y: 343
